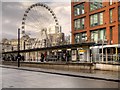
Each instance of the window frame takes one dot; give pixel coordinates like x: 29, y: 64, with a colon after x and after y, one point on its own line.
x: 80, y: 37
x: 110, y: 2
x: 80, y: 8
x: 92, y: 5
x: 119, y: 13
x: 111, y: 15
x: 79, y: 24
x: 98, y: 33
x: 96, y: 21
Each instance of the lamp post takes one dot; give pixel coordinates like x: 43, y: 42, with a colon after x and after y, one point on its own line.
x: 19, y: 47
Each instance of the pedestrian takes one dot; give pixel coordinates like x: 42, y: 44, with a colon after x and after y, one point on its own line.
x: 42, y: 57
x: 67, y: 56
x: 62, y: 59
x: 58, y: 56
x: 45, y: 56
x: 15, y: 58
x: 23, y: 58
x: 19, y: 57
x: 12, y: 57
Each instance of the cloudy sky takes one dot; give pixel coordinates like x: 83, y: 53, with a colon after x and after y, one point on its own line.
x: 12, y: 14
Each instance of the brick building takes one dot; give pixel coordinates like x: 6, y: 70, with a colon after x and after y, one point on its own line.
x: 97, y: 21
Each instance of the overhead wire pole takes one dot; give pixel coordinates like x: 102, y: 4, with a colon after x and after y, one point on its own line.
x: 19, y: 47
x: 102, y: 52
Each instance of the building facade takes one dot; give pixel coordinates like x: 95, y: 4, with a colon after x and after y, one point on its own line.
x: 12, y: 44
x: 99, y: 22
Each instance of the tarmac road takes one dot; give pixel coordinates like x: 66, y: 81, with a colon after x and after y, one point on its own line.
x: 14, y: 78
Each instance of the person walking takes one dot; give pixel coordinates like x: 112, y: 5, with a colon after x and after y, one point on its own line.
x: 67, y: 56
x: 42, y: 57
x: 23, y: 58
x: 45, y: 56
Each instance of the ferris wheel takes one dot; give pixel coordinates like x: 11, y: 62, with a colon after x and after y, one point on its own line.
x: 36, y: 21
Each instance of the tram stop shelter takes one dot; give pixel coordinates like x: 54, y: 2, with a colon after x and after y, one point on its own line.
x: 78, y: 52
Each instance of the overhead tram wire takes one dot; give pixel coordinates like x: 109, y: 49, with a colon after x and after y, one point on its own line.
x: 34, y: 27
x: 32, y: 20
x: 27, y: 23
x: 38, y: 22
x: 37, y: 19
x: 31, y: 26
x: 41, y: 14
x: 37, y: 10
x: 52, y: 13
x: 33, y: 17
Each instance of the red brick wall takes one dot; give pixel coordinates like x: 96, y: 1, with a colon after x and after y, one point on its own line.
x: 106, y: 19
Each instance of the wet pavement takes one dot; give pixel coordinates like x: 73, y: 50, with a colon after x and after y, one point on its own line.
x: 14, y: 78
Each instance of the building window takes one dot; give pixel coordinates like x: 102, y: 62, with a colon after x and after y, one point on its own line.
x: 77, y: 38
x: 79, y: 9
x: 111, y: 33
x: 96, y: 19
x: 80, y: 37
x: 101, y: 18
x: 119, y: 14
x: 111, y: 15
x: 101, y: 34
x: 77, y: 0
x: 79, y: 24
x: 94, y: 36
x: 95, y: 4
x: 111, y: 2
x: 98, y: 35
x: 119, y: 34
x: 84, y: 37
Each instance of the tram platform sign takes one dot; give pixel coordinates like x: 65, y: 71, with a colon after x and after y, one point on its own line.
x: 82, y: 50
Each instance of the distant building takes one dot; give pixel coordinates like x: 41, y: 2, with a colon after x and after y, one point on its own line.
x: 6, y: 46
x: 48, y: 37
x: 67, y: 39
x: 28, y: 43
x: 54, y: 29
x: 12, y: 45
x: 56, y: 39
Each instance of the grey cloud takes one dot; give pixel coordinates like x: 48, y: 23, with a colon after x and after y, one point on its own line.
x: 6, y: 35
x: 13, y: 11
x: 37, y: 1
x: 0, y: 21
